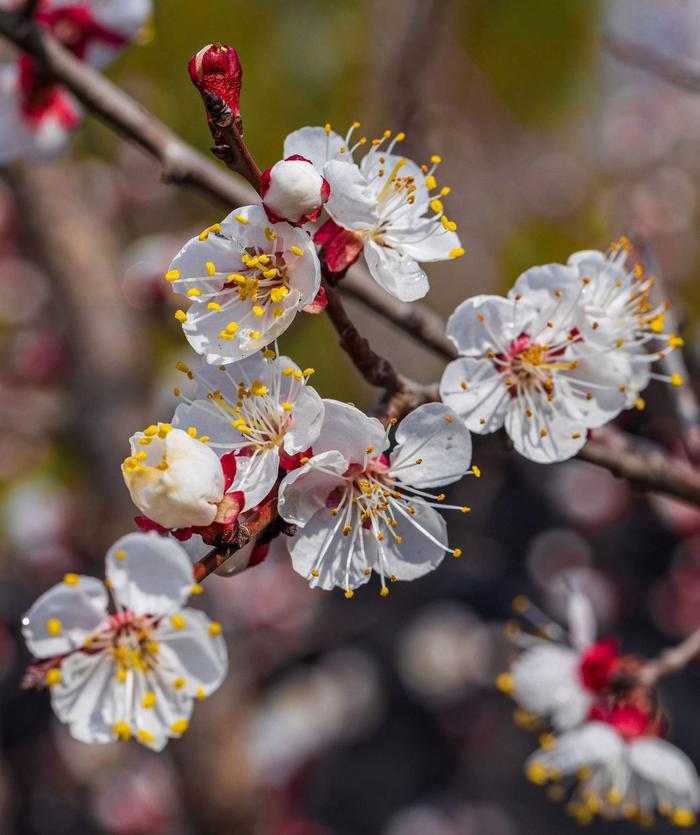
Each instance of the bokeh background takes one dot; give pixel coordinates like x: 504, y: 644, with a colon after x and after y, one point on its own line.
x: 371, y: 715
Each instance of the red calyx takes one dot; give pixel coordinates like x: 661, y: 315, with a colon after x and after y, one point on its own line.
x: 216, y: 70
x: 340, y: 248
x: 598, y: 663
x: 319, y: 304
x: 629, y: 720
x: 39, y: 100
x: 293, y: 462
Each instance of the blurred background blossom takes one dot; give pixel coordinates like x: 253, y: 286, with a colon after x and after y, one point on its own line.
x: 371, y: 715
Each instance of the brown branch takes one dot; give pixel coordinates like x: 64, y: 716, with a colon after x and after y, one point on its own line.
x: 682, y: 72
x: 180, y: 163
x: 29, y: 8
x: 415, y: 319
x: 672, y: 660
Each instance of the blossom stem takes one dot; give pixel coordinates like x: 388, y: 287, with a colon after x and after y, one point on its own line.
x: 672, y: 660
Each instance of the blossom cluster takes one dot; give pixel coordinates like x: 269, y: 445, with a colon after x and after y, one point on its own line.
x: 39, y: 115
x: 565, y: 352
x: 607, y: 755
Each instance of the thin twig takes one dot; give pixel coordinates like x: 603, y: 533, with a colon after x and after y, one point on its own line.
x: 29, y: 8
x: 681, y: 72
x: 672, y: 660
x: 180, y: 163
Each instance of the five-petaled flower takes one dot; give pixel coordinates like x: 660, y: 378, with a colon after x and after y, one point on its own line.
x: 179, y: 483
x: 623, y: 317
x: 39, y: 116
x: 261, y: 409
x: 134, y: 671
x: 358, y: 510
x: 525, y: 364
x: 387, y: 207
x: 560, y: 681
x: 621, y: 767
x: 247, y: 278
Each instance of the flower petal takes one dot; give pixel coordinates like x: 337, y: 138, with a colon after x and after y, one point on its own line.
x: 424, y: 240
x: 349, y: 431
x: 488, y: 323
x: 149, y: 574
x: 307, y: 419
x: 64, y: 616
x: 416, y: 554
x: 434, y: 436
x: 594, y: 743
x: 317, y: 145
x: 548, y: 436
x: 256, y: 475
x: 397, y: 273
x: 304, y: 491
x: 86, y: 697
x: 667, y: 768
x: 351, y: 203
x: 195, y: 652
x: 540, y: 286
x: 475, y: 390
x: 581, y: 619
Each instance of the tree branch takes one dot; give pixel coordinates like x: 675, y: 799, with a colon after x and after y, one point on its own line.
x: 682, y: 72
x: 671, y: 660
x: 180, y: 163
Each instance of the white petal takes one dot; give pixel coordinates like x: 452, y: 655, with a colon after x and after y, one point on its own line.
x: 548, y: 684
x: 581, y: 620
x: 304, y: 491
x: 256, y: 475
x: 340, y: 560
x: 667, y: 768
x: 349, y: 431
x: 149, y: 574
x: 373, y: 164
x: 598, y: 377
x: 316, y: 145
x: 503, y: 320
x: 417, y: 554
x: 398, y: 274
x: 539, y: 285
x: 79, y: 609
x: 86, y: 697
x: 563, y: 439
x: 196, y: 652
x: 307, y: 419
x: 594, y: 743
x: 295, y: 189
x: 125, y: 17
x: 443, y: 448
x: 351, y: 203
x: 424, y: 241
x: 172, y: 705
x: 483, y: 404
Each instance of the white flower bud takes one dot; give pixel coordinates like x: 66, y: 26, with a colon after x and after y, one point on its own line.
x: 174, y: 479
x: 294, y: 191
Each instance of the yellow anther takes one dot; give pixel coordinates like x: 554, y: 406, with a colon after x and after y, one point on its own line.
x: 153, y: 429
x: 231, y: 328
x: 640, y: 404
x: 675, y: 341
x: 53, y: 627
x: 615, y: 797
x: 676, y: 380
x: 457, y: 252
x: 149, y: 700
x: 214, y: 306
x: 194, y: 291
x: 201, y: 694
x: 71, y: 579
x: 122, y: 731
x: 196, y: 589
x: 297, y: 250
x: 349, y: 593
x: 268, y: 354
x: 465, y: 509
x: 327, y: 127
x: 286, y: 406
x: 215, y: 629
x: 120, y: 555
x: 269, y: 234
x: 537, y: 773
x: 273, y: 272
x: 192, y: 431
x: 449, y: 419
x: 242, y: 219
x: 436, y: 159
x: 179, y: 683
x: 181, y: 316
x: 144, y: 736
x: 457, y: 552
x: 122, y: 675
x: 543, y: 433
x: 444, y: 191
x: 505, y: 683
x: 307, y: 372
x: 683, y: 817
x: 178, y: 621
x: 179, y: 726
x: 255, y: 335
x: 384, y: 592
x: 258, y: 311
x: 53, y: 677
x: 211, y: 268
x: 430, y: 182
x: 440, y: 497
x: 304, y: 459
x: 173, y: 275
x: 314, y: 572
x: 548, y: 742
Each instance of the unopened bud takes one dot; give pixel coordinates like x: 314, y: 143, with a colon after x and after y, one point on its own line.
x: 216, y: 71
x: 294, y: 191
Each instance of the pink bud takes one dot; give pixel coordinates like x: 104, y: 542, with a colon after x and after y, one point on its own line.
x: 216, y: 70
x: 294, y: 191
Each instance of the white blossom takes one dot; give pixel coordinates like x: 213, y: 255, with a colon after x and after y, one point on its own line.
x: 387, y: 207
x: 525, y: 365
x: 358, y: 510
x: 135, y: 672
x: 620, y: 773
x: 247, y: 279
x: 559, y: 681
x: 624, y: 319
x: 293, y: 190
x: 261, y: 408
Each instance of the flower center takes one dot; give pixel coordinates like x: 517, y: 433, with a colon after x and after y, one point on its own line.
x: 129, y: 641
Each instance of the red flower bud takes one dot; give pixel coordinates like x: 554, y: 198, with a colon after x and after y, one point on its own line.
x: 216, y: 70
